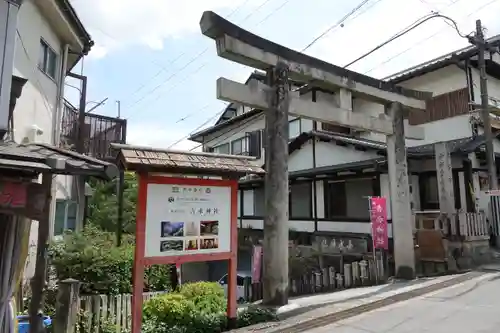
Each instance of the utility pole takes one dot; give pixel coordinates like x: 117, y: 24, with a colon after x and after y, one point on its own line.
x: 275, y: 244
x: 119, y: 104
x: 80, y: 148
x: 482, y: 46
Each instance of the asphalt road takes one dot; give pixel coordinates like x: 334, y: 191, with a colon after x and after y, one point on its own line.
x: 470, y: 307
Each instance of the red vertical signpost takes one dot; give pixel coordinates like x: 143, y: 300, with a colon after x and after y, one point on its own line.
x: 182, y: 220
x: 378, y: 217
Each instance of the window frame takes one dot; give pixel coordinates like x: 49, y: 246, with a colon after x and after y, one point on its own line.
x: 244, y: 146
x: 67, y: 207
x: 290, y: 122
x: 44, y: 59
x: 214, y: 149
x: 310, y: 213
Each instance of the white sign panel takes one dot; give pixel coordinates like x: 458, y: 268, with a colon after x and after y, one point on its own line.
x: 187, y: 219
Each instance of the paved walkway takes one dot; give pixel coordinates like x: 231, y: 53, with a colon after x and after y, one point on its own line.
x: 313, y: 314
x: 471, y: 307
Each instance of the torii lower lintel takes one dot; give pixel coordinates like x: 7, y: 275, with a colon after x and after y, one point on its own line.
x: 256, y: 96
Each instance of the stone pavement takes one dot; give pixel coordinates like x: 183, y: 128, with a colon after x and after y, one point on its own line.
x: 322, y: 310
x: 472, y: 307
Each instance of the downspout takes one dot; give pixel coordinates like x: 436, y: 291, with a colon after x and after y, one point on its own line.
x: 56, y: 131
x: 315, y: 197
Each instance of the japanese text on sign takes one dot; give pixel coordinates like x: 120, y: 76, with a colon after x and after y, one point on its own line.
x: 378, y: 215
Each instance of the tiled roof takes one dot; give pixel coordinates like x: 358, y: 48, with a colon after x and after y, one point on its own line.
x: 439, y: 62
x: 36, y: 158
x: 136, y: 158
x: 462, y: 145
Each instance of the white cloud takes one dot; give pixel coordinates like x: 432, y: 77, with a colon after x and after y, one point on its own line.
x: 153, y: 135
x: 117, y: 23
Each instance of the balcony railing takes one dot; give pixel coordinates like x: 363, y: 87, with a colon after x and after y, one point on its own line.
x: 99, y: 132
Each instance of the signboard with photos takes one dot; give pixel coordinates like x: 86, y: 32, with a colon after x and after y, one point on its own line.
x: 187, y: 219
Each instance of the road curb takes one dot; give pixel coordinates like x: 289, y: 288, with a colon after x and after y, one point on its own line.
x: 336, y: 316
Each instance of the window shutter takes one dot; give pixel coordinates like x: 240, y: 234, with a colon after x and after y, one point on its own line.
x: 254, y: 142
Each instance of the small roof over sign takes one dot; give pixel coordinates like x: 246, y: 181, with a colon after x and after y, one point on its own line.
x: 147, y: 159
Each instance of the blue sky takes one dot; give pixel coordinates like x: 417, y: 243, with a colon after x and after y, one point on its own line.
x: 147, y: 52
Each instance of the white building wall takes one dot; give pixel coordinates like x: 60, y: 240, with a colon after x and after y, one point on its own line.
x: 38, y: 101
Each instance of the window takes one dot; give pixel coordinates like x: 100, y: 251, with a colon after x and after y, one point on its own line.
x: 431, y: 190
x: 65, y: 218
x: 47, y: 61
x: 294, y: 128
x: 348, y: 199
x: 222, y: 149
x: 239, y: 146
x: 301, y: 200
x: 259, y: 206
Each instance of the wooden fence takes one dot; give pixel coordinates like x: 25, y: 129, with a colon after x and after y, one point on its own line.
x: 116, y: 310
x: 462, y: 225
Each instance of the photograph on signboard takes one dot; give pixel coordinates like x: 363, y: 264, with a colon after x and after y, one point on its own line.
x: 172, y: 229
x: 209, y: 228
x: 191, y: 244
x: 171, y: 245
x: 198, y: 217
x: 209, y: 243
x: 192, y: 229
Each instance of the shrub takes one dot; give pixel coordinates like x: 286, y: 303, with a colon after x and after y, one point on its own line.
x: 208, y: 297
x: 91, y: 257
x: 196, y: 308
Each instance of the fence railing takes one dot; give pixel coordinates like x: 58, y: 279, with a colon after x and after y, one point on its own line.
x: 463, y: 225
x: 355, y: 274
x: 113, y: 309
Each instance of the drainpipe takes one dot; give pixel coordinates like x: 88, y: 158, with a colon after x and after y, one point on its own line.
x: 56, y: 130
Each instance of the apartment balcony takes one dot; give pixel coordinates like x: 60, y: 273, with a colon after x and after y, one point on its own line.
x: 99, y: 132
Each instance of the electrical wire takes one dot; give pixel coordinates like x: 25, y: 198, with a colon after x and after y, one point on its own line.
x: 427, y: 38
x: 407, y: 30
x: 341, y: 21
x: 193, y: 59
x: 324, y: 33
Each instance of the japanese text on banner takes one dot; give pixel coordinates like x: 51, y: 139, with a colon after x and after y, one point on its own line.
x: 378, y: 214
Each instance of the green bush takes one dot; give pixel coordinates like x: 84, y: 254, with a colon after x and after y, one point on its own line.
x: 91, y: 257
x: 196, y: 308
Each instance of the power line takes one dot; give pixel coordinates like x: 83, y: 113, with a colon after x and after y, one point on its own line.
x: 204, y: 51
x: 341, y: 21
x: 324, y: 33
x: 427, y: 38
x: 193, y: 59
x: 405, y: 31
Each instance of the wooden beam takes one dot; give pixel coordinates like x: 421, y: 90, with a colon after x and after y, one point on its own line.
x: 239, y: 45
x: 256, y: 96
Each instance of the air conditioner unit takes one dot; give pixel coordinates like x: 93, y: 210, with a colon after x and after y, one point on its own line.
x: 31, y: 134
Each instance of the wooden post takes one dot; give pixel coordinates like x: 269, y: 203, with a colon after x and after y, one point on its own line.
x: 39, y: 278
x: 275, y: 245
x: 67, y: 306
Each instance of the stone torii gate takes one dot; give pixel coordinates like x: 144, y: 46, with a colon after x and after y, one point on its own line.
x: 281, y: 63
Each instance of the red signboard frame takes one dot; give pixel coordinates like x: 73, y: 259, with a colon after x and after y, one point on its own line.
x: 140, y: 261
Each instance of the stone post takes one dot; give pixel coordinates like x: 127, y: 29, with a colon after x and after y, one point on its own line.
x: 67, y: 306
x: 402, y: 228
